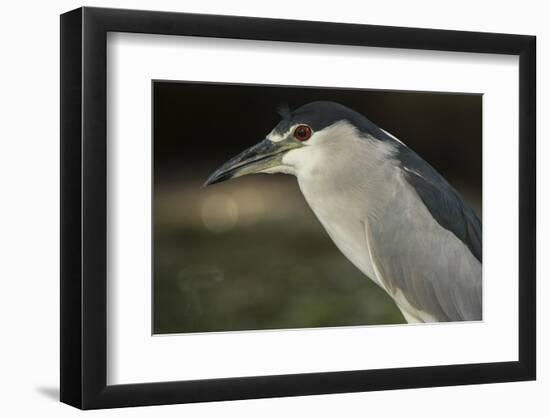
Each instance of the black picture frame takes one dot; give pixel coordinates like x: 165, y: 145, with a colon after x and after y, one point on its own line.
x: 84, y: 223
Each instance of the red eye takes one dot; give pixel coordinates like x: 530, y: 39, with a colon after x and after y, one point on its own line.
x: 302, y: 133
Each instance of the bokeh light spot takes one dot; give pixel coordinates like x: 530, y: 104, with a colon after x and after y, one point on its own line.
x: 219, y: 213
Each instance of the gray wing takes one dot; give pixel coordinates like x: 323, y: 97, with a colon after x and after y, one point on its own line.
x: 444, y: 203
x: 426, y: 245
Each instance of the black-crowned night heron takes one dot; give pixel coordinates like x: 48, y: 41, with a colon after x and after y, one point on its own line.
x: 387, y: 210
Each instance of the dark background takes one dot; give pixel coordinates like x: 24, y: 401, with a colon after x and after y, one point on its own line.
x: 249, y: 254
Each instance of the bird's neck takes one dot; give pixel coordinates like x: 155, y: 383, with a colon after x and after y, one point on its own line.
x: 357, y: 171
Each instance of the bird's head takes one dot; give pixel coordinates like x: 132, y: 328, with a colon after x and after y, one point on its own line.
x: 296, y: 139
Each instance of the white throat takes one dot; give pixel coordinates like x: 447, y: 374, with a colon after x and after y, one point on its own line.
x: 347, y: 179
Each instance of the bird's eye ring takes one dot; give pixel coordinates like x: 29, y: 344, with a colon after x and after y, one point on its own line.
x: 302, y: 132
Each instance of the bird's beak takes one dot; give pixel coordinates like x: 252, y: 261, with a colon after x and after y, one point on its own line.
x: 259, y: 158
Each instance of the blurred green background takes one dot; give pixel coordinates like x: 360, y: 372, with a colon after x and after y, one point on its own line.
x: 249, y: 254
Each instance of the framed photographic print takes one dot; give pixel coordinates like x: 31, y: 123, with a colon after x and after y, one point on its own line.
x: 258, y: 208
